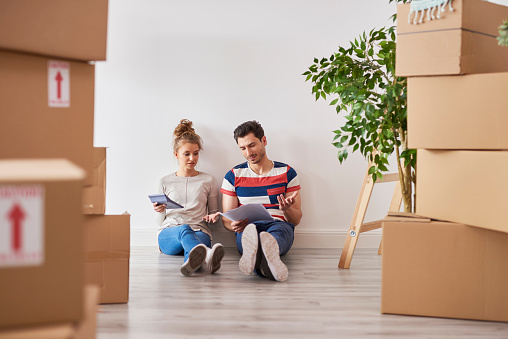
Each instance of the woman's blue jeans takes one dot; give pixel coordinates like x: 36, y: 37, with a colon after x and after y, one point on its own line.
x: 181, y: 239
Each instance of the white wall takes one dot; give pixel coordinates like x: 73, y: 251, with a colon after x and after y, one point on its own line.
x: 220, y: 63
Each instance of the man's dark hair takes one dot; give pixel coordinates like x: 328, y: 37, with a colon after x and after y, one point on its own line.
x: 249, y: 127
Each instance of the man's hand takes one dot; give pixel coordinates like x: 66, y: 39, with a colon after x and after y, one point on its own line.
x: 239, y: 225
x: 291, y: 207
x: 286, y: 203
x: 159, y: 208
x: 211, y: 218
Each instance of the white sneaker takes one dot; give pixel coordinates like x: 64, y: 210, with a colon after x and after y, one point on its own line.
x: 196, y: 258
x: 214, y: 256
x: 250, y: 247
x: 270, y: 249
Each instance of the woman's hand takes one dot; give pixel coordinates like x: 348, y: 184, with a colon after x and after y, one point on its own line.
x: 211, y: 218
x: 159, y: 208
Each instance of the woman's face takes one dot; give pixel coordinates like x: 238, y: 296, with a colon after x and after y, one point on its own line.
x: 187, y: 155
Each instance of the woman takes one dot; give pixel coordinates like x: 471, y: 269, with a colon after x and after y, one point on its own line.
x: 185, y: 230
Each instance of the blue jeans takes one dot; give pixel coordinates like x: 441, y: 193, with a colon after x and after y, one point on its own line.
x: 181, y: 239
x: 283, y: 232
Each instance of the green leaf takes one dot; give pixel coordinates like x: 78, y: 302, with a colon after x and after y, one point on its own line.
x: 334, y: 102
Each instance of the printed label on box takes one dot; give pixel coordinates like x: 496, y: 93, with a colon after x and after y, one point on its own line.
x: 59, y: 84
x: 21, y: 225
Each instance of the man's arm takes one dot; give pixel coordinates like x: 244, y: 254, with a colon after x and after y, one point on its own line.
x: 291, y: 207
x: 228, y: 203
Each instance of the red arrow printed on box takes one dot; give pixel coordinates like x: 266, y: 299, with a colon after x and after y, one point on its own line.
x: 16, y: 215
x: 59, y: 79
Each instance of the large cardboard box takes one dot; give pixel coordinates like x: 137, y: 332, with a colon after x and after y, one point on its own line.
x: 107, y: 252
x: 442, y: 269
x: 84, y: 329
x: 458, y: 112
x: 94, y: 196
x: 47, y: 109
x: 463, y: 41
x: 70, y: 29
x: 463, y: 186
x: 41, y: 242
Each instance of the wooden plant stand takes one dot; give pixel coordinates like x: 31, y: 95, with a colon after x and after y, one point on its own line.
x: 357, y: 226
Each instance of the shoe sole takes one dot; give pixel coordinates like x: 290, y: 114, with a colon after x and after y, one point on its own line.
x: 217, y: 255
x: 270, y: 250
x: 250, y: 247
x: 196, y: 259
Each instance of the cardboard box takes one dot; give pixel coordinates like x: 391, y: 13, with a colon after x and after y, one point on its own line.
x: 441, y: 269
x: 70, y: 29
x: 107, y: 252
x: 457, y: 112
x: 461, y: 42
x: 463, y: 186
x: 85, y: 329
x: 94, y: 196
x: 41, y: 242
x: 35, y: 123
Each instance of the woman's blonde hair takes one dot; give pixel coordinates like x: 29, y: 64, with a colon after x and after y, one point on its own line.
x: 184, y: 132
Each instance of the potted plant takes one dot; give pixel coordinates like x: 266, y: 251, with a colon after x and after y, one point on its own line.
x: 360, y: 80
x: 503, y: 34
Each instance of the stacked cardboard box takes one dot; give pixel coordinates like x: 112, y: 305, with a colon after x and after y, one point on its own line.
x: 41, y: 242
x: 456, y: 115
x: 107, y: 238
x: 47, y: 76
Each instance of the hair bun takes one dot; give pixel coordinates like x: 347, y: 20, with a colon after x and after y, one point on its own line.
x: 184, y: 127
x: 184, y: 132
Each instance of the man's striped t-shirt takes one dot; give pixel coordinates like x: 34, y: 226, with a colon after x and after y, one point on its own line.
x: 252, y: 188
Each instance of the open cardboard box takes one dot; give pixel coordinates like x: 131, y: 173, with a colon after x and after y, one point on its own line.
x: 463, y: 41
x: 458, y: 112
x: 66, y: 29
x: 443, y: 269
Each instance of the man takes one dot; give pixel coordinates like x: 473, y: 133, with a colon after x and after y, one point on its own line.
x: 276, y: 186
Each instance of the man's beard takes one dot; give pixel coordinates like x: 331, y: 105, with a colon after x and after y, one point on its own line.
x: 261, y: 156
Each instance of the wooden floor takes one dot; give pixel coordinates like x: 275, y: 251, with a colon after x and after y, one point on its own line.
x: 317, y: 301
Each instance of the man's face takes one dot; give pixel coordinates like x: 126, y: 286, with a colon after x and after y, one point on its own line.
x: 252, y: 148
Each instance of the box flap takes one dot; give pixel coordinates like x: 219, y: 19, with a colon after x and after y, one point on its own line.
x: 18, y: 170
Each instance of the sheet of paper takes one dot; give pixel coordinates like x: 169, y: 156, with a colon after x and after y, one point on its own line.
x: 253, y: 212
x: 163, y: 199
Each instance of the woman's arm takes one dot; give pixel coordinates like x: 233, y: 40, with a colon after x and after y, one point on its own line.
x: 160, y: 209
x: 212, y: 204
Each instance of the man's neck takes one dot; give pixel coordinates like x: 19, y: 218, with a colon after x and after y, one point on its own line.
x: 262, y: 167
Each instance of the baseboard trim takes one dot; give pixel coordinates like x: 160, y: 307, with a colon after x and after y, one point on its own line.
x: 303, y: 238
